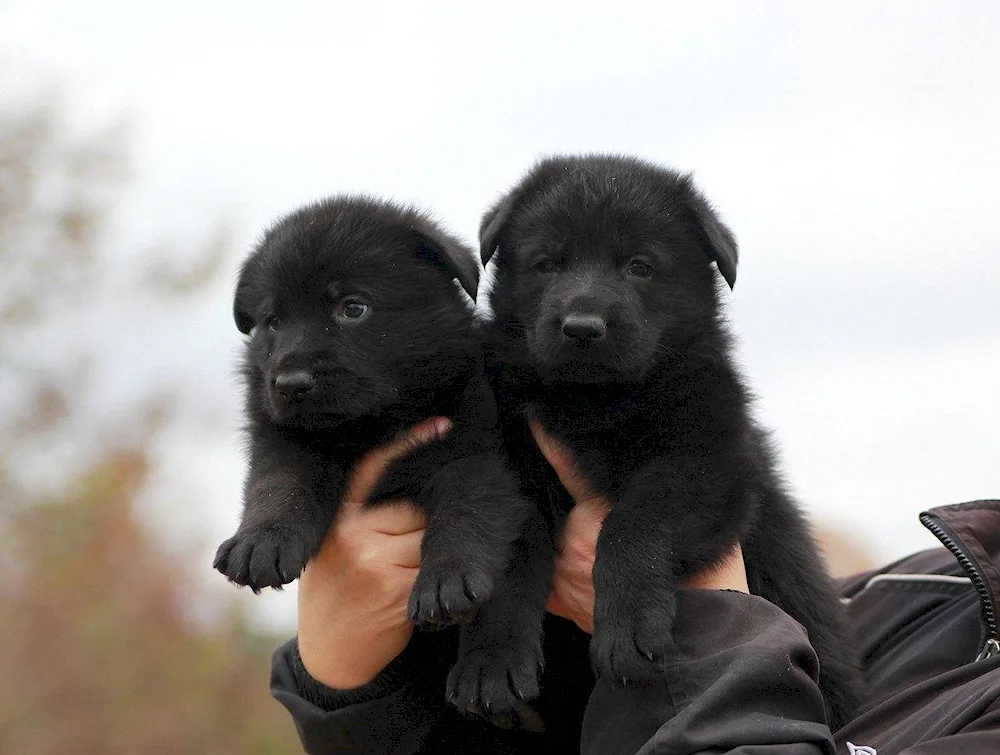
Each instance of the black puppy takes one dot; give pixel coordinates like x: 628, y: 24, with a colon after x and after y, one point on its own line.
x: 608, y: 330
x: 357, y: 331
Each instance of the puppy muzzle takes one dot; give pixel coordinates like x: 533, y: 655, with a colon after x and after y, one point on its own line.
x: 292, y: 386
x: 584, y: 328
x: 590, y: 344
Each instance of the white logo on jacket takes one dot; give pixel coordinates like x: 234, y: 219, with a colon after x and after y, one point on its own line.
x: 860, y: 750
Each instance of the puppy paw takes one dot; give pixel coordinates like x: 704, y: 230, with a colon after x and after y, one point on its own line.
x: 488, y: 684
x: 270, y: 557
x: 630, y: 642
x: 445, y: 594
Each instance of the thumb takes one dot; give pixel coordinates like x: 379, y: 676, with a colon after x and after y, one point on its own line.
x: 561, y: 460
x: 370, y: 468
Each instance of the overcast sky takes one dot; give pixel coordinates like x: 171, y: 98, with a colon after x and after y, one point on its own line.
x: 852, y: 147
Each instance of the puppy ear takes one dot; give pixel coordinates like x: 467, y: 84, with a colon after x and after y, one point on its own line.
x: 722, y: 247
x: 241, y: 303
x: 454, y: 256
x: 497, y: 218
x: 492, y: 223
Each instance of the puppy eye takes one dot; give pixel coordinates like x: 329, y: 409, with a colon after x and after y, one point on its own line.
x: 353, y: 309
x: 273, y: 322
x: 639, y: 269
x: 546, y: 266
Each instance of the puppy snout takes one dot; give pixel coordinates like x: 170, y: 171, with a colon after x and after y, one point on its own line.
x: 584, y: 327
x: 292, y: 385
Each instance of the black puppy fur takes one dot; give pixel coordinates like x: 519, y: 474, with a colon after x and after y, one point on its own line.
x: 608, y: 330
x: 357, y: 331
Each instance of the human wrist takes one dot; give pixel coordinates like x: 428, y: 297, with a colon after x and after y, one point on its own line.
x: 347, y: 663
x: 387, y: 681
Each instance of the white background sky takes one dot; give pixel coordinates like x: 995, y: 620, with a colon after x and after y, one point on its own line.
x: 853, y: 148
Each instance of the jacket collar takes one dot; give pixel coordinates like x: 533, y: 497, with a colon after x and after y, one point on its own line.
x: 971, y: 532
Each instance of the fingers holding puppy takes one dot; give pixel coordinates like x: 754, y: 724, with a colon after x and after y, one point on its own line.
x: 572, y: 594
x: 369, y: 470
x: 352, y: 601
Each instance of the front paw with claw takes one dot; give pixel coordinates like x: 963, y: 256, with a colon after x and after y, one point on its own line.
x: 631, y: 640
x: 269, y: 557
x: 445, y: 594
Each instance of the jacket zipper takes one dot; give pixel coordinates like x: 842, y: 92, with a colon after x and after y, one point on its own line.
x: 992, y: 645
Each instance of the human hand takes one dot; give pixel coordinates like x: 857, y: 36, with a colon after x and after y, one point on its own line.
x: 353, y: 594
x: 572, y: 595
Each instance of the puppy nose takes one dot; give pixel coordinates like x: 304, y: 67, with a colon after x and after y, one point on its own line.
x: 584, y: 327
x: 294, y: 384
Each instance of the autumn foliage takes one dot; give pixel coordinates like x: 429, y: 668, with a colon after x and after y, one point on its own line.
x: 101, y: 649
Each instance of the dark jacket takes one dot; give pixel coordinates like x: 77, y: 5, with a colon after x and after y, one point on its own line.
x: 743, y: 679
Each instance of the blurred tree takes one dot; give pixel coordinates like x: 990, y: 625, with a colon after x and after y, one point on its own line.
x: 97, y: 650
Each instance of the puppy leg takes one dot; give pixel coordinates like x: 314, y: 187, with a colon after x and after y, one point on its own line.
x: 500, y: 651
x: 287, y: 510
x: 673, y: 520
x: 474, y: 514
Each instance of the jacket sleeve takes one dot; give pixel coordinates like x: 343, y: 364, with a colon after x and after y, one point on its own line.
x: 742, y: 681
x: 341, y: 721
x: 980, y: 737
